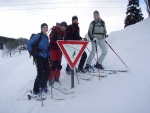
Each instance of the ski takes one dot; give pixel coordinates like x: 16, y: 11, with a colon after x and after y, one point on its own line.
x: 58, y: 86
x: 64, y: 88
x: 29, y: 95
x: 91, y: 74
x: 38, y: 99
x: 101, y: 72
x: 113, y: 70
x: 62, y: 91
x: 108, y: 72
x: 84, y: 76
x: 104, y: 72
x: 87, y: 79
x: 59, y: 99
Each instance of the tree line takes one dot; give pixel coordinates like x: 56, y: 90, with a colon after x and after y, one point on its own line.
x: 10, y: 44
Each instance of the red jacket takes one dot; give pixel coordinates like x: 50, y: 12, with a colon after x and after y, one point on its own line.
x: 56, y: 34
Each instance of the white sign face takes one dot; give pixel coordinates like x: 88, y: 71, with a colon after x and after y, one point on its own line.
x: 72, y: 50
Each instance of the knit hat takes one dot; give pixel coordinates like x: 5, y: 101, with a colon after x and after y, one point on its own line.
x: 96, y: 12
x: 63, y: 24
x: 74, y: 17
x: 44, y: 24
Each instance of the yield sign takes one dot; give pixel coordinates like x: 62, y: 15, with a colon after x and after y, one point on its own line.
x: 72, y: 50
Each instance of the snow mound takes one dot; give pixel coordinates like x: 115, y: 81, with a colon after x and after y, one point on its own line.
x: 117, y: 93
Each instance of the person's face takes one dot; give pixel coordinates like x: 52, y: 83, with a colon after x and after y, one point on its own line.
x: 44, y: 29
x: 96, y: 16
x: 75, y: 21
x: 62, y: 28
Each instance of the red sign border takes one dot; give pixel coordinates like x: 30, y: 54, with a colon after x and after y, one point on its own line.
x: 60, y: 44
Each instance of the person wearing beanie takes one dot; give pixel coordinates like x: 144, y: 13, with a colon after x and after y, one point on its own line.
x: 74, y: 17
x: 73, y: 33
x: 41, y: 59
x: 97, y: 34
x: 58, y: 33
x: 63, y: 24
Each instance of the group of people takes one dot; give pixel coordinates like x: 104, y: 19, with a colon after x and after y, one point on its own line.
x: 48, y: 60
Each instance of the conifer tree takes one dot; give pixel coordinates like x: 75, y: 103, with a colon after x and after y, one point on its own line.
x: 134, y: 13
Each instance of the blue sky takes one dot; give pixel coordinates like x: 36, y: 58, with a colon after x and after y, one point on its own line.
x: 22, y: 23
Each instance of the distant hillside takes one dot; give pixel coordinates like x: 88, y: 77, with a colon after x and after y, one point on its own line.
x: 21, y: 41
x: 12, y: 43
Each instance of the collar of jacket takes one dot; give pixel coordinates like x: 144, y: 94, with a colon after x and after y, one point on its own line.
x: 43, y: 34
x: 99, y: 20
x: 75, y: 25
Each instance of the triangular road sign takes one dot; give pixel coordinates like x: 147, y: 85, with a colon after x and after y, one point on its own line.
x: 72, y: 50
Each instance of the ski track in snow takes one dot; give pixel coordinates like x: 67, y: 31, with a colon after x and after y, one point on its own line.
x: 126, y: 92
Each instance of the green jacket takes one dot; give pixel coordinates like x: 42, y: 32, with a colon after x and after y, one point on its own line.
x: 99, y: 30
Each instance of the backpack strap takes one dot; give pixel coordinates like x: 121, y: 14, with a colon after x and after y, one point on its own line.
x: 39, y: 40
x: 36, y: 46
x: 94, y: 27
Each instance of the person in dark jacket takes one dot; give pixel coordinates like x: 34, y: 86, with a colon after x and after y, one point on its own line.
x: 73, y: 33
x: 41, y: 60
x: 57, y: 33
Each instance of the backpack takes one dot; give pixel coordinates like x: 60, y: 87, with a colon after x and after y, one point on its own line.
x: 35, y: 49
x: 94, y: 28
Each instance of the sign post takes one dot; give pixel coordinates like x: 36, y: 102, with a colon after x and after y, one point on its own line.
x: 72, y: 78
x: 72, y: 51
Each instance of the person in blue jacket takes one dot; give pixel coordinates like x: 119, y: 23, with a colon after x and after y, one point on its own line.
x: 41, y: 60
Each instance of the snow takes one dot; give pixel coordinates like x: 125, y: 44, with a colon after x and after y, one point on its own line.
x: 117, y: 93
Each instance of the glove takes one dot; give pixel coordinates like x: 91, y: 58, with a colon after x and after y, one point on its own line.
x: 49, y: 60
x: 94, y: 40
x: 59, y: 37
x: 85, y: 39
x: 31, y: 52
x: 107, y: 35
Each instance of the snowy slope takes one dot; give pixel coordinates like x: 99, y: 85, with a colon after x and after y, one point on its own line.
x: 117, y: 93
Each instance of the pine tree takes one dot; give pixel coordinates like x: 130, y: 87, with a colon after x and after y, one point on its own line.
x: 134, y: 13
x: 1, y: 44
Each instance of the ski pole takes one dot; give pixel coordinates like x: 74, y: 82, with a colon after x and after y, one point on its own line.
x: 41, y: 100
x: 52, y: 81
x: 116, y: 53
x: 77, y: 76
x: 49, y: 30
x: 97, y: 59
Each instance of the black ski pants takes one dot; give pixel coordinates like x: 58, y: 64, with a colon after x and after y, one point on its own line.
x: 43, y: 72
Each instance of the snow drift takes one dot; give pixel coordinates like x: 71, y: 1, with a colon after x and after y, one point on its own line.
x: 117, y: 93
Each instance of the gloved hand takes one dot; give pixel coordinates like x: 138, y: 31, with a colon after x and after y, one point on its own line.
x: 85, y: 39
x: 94, y: 40
x: 49, y: 60
x: 31, y: 52
x: 59, y: 37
